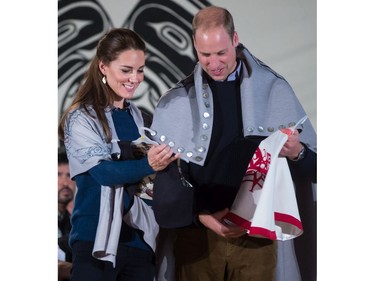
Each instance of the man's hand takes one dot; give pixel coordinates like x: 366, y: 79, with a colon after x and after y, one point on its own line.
x: 216, y: 223
x: 292, y: 146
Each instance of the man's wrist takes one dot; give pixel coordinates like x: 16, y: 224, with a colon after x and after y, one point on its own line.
x: 300, y: 155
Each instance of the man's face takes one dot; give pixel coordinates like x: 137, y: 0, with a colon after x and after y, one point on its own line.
x: 66, y: 186
x: 216, y: 51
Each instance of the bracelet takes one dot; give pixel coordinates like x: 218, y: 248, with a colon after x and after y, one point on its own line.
x: 300, y: 155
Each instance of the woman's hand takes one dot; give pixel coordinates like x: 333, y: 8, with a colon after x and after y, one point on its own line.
x: 160, y: 156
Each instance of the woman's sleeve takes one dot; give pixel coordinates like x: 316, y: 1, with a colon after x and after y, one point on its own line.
x: 111, y: 173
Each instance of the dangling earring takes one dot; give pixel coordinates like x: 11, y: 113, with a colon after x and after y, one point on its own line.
x: 104, y: 80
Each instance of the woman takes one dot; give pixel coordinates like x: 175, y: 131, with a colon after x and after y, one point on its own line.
x: 98, y: 130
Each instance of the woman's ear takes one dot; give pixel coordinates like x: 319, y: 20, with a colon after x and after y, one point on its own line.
x: 102, y: 67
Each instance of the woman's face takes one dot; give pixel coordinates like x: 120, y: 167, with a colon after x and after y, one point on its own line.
x: 124, y: 74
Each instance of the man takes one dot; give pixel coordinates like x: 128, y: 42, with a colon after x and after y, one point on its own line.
x: 214, y: 119
x: 66, y: 192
